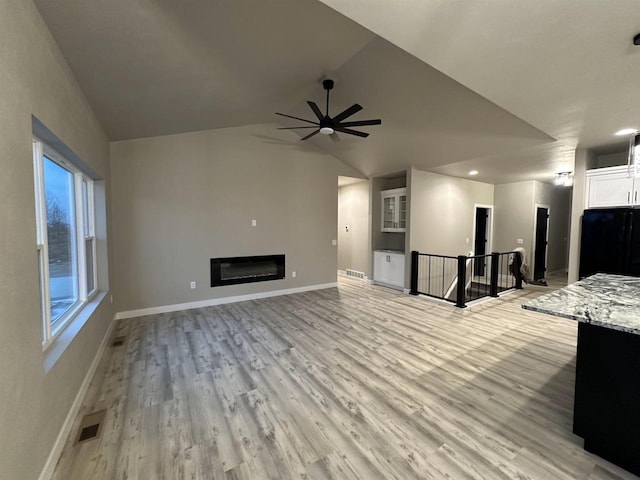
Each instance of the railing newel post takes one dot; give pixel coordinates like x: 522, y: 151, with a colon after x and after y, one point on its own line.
x: 495, y: 257
x: 414, y: 272
x: 462, y: 281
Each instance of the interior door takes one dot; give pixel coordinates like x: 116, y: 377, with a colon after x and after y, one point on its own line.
x: 480, y: 245
x: 542, y: 227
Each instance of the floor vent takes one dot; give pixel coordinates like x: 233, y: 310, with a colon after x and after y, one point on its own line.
x: 91, y: 426
x: 354, y: 273
x: 117, y: 342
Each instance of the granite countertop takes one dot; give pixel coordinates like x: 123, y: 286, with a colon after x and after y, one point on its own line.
x: 610, y: 301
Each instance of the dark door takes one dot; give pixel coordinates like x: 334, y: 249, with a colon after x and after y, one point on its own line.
x: 604, y: 243
x: 480, y: 246
x: 542, y: 225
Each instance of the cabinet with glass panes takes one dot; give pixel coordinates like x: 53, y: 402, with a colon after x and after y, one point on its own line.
x: 394, y: 210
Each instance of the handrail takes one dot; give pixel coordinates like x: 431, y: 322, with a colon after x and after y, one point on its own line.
x: 470, y: 277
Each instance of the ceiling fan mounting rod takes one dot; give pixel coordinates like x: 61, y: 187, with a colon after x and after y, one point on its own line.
x: 328, y: 85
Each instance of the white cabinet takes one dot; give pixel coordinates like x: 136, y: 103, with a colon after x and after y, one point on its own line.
x: 612, y: 187
x: 394, y: 210
x: 388, y: 268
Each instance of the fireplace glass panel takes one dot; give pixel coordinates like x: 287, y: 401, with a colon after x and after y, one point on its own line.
x: 234, y: 270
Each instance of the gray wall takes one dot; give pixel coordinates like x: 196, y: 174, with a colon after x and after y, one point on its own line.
x: 442, y: 212
x: 559, y: 201
x: 612, y: 159
x: 179, y: 200
x: 584, y: 160
x: 354, y: 246
x: 36, y: 81
x: 513, y: 217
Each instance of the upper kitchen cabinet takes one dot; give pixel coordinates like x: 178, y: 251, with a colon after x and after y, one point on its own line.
x: 394, y: 210
x: 611, y: 187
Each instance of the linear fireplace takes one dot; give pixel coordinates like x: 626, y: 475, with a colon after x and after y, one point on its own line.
x: 234, y: 270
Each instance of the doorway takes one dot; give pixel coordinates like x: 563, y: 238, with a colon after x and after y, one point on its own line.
x: 481, y: 237
x: 541, y: 234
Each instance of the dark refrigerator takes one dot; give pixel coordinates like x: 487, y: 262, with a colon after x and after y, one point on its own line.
x: 610, y: 242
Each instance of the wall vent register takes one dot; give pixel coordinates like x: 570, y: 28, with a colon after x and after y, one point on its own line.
x: 235, y: 270
x: 91, y: 426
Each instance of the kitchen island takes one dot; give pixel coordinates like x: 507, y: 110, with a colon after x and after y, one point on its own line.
x: 607, y: 392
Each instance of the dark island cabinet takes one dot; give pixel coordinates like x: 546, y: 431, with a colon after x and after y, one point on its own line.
x: 607, y: 394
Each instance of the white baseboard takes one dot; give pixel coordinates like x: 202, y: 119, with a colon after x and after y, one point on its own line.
x: 61, y: 440
x: 220, y: 301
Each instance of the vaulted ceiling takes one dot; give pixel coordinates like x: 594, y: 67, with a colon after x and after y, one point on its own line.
x: 507, y: 88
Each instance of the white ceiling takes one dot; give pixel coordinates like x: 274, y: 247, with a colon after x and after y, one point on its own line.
x: 156, y: 67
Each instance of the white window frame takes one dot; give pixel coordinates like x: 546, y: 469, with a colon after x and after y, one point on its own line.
x: 85, y: 230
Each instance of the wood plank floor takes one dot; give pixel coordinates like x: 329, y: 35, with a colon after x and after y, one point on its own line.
x: 355, y: 382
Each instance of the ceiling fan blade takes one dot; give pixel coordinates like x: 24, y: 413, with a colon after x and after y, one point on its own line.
x: 355, y: 108
x: 311, y: 134
x: 297, y: 118
x: 315, y: 109
x: 360, y: 123
x: 338, y: 128
x: 295, y: 128
x: 334, y: 136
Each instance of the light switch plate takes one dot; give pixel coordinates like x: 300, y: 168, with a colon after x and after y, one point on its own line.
x: 334, y: 242
x: 253, y: 223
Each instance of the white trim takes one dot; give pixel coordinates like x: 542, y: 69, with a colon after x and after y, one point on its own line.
x: 220, y: 301
x: 61, y: 440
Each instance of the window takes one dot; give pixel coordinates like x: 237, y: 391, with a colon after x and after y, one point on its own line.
x: 66, y: 245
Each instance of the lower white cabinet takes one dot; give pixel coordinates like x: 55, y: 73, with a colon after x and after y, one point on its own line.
x: 388, y: 268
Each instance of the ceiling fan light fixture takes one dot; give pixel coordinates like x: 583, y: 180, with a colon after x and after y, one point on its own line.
x: 626, y: 131
x: 327, y: 130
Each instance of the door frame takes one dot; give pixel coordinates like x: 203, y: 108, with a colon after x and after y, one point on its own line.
x: 489, y: 227
x: 533, y: 243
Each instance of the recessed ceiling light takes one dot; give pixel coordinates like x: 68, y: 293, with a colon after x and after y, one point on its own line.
x: 627, y: 131
x: 473, y: 172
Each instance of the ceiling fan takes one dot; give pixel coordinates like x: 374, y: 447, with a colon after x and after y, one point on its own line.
x: 328, y: 125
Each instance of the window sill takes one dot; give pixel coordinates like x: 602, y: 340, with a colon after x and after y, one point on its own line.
x: 54, y: 351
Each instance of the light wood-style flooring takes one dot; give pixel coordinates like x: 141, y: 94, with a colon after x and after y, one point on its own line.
x: 355, y: 382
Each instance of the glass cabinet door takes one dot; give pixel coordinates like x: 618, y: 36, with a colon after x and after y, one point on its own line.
x: 389, y: 212
x: 402, y: 211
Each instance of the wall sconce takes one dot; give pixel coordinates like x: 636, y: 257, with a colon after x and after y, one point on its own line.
x: 563, y: 179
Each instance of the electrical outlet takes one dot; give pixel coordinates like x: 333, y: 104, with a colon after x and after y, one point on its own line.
x: 193, y: 284
x: 293, y: 274
x: 520, y: 241
x: 334, y: 242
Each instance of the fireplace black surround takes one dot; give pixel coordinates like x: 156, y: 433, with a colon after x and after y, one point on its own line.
x: 234, y: 270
